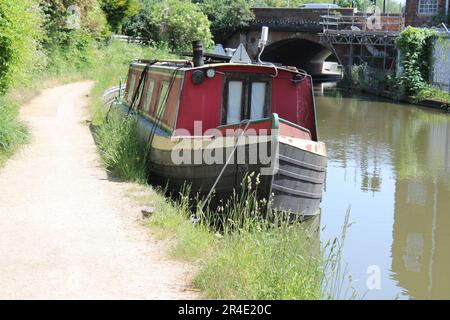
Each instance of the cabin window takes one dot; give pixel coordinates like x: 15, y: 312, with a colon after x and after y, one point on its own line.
x: 234, y: 107
x: 246, y: 97
x: 131, y: 88
x: 257, y: 100
x: 148, y: 96
x: 163, y: 97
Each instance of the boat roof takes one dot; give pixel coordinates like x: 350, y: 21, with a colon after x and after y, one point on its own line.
x: 186, y: 65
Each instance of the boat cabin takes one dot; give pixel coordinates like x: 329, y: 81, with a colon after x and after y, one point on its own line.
x: 188, y: 110
x: 176, y: 95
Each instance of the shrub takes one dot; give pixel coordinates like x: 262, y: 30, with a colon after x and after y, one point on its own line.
x: 76, y: 51
x: 117, y: 11
x: 376, y: 81
x: 177, y: 25
x: 226, y: 16
x: 12, y: 132
x: 92, y: 20
x: 142, y: 24
x: 72, y: 49
x: 415, y: 48
x: 20, y: 33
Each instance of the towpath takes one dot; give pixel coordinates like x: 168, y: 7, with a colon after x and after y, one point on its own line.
x: 66, y: 230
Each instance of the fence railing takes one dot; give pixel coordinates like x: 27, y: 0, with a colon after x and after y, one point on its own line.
x: 112, y: 93
x: 362, y: 22
x: 128, y: 39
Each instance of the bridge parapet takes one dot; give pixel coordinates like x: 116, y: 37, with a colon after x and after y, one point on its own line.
x: 294, y: 19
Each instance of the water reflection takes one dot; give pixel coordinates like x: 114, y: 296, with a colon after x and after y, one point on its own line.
x: 391, y: 163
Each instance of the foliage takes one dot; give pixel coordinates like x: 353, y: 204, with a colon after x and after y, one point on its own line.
x: 21, y: 57
x: 20, y: 33
x: 119, y: 149
x: 141, y: 24
x: 117, y: 11
x: 415, y: 48
x: 95, y: 23
x: 72, y: 48
x: 242, y: 256
x: 376, y: 81
x: 55, y: 12
x: 12, y: 132
x: 349, y: 3
x: 434, y: 94
x: 226, y: 16
x: 177, y: 25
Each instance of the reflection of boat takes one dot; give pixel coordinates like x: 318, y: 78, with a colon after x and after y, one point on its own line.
x: 321, y: 87
x: 210, y: 121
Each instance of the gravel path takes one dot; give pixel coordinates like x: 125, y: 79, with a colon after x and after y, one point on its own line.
x: 66, y: 231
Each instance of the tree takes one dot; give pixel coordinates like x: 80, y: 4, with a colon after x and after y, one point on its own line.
x: 174, y: 22
x: 141, y: 24
x: 56, y: 17
x: 226, y: 16
x: 117, y: 11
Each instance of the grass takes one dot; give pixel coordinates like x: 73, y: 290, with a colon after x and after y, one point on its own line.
x: 12, y: 132
x: 245, y: 257
x: 433, y: 94
x: 120, y: 151
x: 263, y: 264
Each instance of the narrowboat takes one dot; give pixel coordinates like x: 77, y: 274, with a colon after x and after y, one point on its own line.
x: 210, y: 120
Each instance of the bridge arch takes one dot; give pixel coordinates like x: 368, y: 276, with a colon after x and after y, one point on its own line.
x: 301, y: 52
x: 301, y: 49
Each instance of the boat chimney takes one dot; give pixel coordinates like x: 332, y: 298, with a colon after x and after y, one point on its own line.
x: 197, y: 47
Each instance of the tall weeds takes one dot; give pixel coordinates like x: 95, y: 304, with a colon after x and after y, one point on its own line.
x: 12, y: 132
x: 120, y: 151
x: 243, y: 256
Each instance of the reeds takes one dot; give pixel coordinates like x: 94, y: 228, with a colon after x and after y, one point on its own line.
x: 12, y: 132
x: 121, y: 153
x: 248, y: 251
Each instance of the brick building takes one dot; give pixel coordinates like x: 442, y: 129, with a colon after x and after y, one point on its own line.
x: 426, y: 12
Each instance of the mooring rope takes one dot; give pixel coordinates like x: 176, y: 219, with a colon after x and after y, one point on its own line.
x: 159, y: 115
x: 226, y: 164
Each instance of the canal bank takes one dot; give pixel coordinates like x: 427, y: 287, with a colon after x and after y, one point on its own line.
x: 419, y: 74
x: 435, y: 104
x: 389, y: 162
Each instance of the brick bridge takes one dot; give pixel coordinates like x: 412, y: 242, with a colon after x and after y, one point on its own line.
x: 307, y: 37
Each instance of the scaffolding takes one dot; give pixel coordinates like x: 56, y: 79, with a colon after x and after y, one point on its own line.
x: 361, y: 38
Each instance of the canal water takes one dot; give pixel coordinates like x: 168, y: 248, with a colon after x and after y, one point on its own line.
x: 390, y: 163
